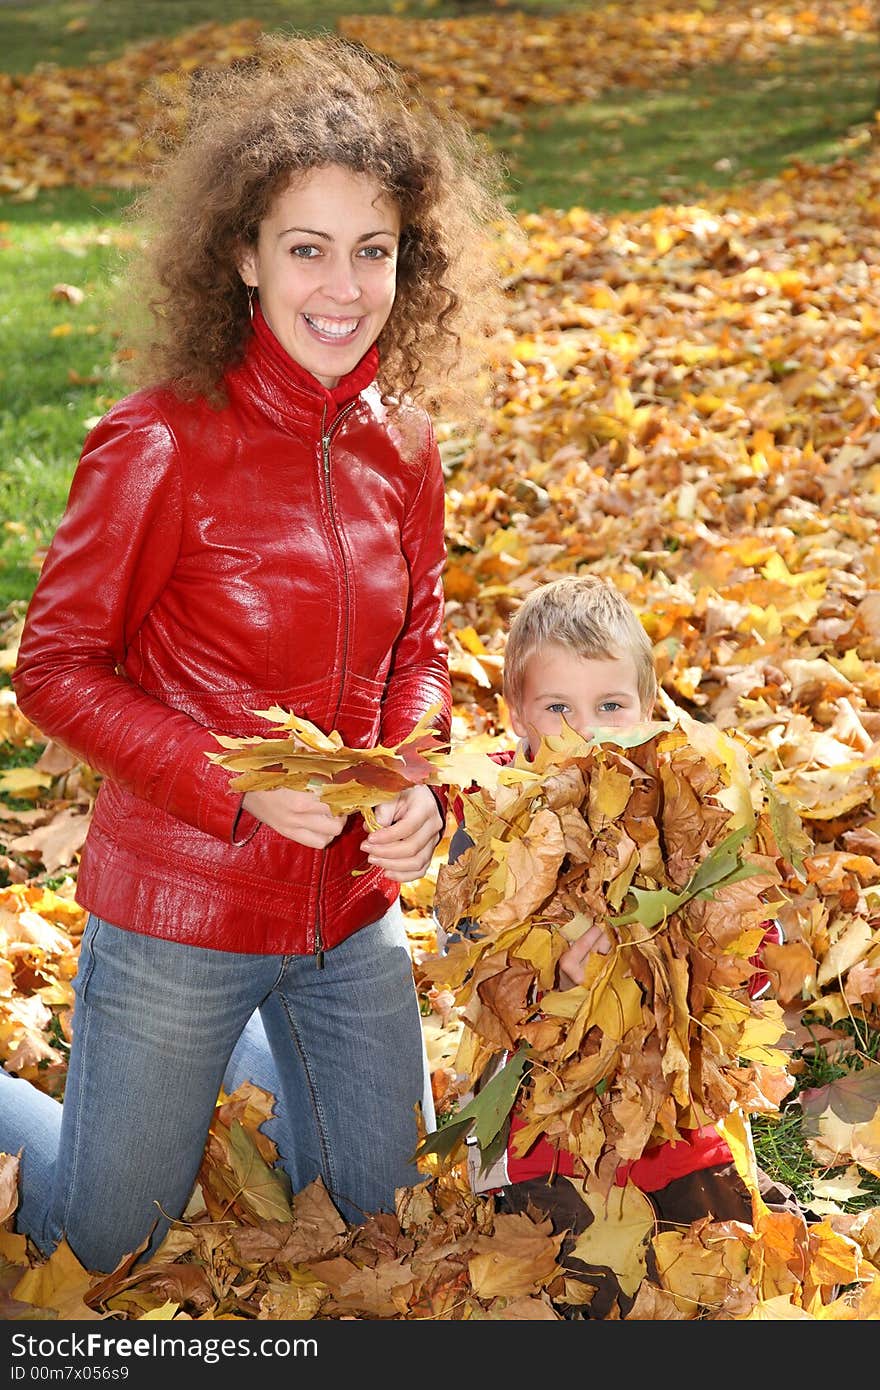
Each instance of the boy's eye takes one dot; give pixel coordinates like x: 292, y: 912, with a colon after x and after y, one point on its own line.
x: 610, y: 706
x: 557, y: 708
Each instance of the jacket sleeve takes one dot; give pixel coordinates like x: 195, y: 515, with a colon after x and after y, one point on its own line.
x: 110, y: 558
x: 419, y: 675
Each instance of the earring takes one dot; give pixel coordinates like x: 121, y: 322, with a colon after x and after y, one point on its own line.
x: 250, y: 294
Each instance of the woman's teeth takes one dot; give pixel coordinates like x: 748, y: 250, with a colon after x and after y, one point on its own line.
x: 332, y: 328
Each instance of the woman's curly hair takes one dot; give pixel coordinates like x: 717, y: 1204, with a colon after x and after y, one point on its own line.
x: 303, y: 103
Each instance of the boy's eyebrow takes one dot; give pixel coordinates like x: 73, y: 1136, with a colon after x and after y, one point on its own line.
x: 604, y: 695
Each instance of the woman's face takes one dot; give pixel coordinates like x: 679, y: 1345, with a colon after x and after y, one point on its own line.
x: 325, y: 266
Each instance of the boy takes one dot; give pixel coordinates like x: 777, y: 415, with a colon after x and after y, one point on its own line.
x: 577, y: 651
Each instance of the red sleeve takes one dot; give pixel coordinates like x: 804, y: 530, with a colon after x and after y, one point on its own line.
x: 419, y: 675
x: 110, y: 558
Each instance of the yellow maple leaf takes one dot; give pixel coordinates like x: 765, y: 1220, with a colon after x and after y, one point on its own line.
x: 618, y: 1234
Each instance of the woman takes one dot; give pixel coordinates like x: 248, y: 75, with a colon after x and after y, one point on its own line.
x: 260, y: 524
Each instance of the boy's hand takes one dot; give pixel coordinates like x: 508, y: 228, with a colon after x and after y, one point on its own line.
x: 299, y: 816
x: 411, y: 829
x: 571, y: 962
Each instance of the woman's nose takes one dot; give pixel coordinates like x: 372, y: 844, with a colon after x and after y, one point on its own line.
x: 342, y: 282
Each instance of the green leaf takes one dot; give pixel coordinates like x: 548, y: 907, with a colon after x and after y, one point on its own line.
x: 719, y: 862
x: 738, y: 874
x: 494, y: 1101
x: 445, y: 1140
x: 495, y: 1148
x: 653, y: 905
x: 484, y: 1114
x: 719, y: 869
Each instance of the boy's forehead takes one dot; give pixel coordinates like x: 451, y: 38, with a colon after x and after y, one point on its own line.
x: 551, y: 663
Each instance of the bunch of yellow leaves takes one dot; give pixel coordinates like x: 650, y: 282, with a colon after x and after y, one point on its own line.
x: 348, y: 779
x: 305, y: 759
x: 666, y: 840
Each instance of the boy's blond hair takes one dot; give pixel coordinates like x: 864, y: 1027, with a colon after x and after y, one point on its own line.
x: 588, y: 615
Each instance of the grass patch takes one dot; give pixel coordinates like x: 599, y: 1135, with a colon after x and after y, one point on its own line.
x: 780, y: 1144
x: 75, y: 33
x: 713, y: 128
x: 56, y: 362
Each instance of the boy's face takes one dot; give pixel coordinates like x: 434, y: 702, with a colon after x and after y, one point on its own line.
x: 589, y: 692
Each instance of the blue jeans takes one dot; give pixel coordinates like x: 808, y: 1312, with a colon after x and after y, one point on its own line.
x: 155, y: 1025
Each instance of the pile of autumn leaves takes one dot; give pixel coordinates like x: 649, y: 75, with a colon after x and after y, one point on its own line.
x: 681, y: 855
x: 661, y: 1035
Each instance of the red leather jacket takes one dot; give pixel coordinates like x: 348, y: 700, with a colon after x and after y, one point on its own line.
x: 286, y: 549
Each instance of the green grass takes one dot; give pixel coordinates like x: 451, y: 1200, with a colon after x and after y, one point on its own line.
x: 50, y: 385
x: 714, y: 128
x: 74, y: 33
x: 779, y: 1140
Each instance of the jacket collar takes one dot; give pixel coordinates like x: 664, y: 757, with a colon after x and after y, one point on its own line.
x: 291, y: 391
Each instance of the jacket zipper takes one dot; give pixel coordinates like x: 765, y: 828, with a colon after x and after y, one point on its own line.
x: 326, y: 436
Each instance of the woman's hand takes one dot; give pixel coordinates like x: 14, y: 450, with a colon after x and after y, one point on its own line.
x: 299, y: 816
x: 411, y: 829
x: 571, y: 962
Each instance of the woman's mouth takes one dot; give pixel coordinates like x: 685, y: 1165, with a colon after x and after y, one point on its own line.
x: 332, y: 330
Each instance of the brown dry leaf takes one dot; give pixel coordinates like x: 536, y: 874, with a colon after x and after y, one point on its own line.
x: 524, y: 1310
x: 382, y: 1292
x: 70, y: 294
x: 700, y: 1268
x: 656, y: 1305
x: 58, y: 843
x: 516, y: 1260
x: 60, y: 1284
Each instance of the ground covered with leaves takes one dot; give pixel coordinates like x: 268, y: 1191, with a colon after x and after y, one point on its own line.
x: 685, y: 400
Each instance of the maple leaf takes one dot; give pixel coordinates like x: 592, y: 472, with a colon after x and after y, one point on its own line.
x: 516, y: 1259
x: 61, y: 1284
x: 853, y: 1097
x: 617, y: 1236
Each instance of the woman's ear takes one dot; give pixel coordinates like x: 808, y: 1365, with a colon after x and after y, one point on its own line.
x: 247, y: 267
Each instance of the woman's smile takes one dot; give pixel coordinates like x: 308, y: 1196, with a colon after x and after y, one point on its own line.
x: 331, y: 329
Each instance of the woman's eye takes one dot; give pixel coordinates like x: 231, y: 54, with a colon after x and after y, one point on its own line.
x: 304, y: 253
x: 373, y: 253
